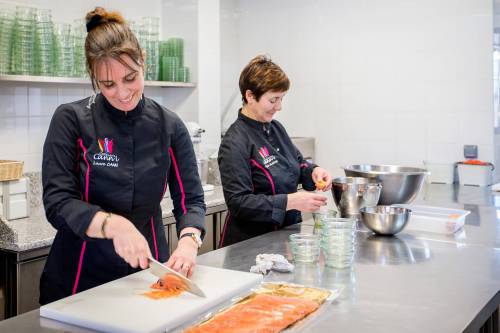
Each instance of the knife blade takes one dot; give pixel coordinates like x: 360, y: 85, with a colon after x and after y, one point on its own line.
x: 158, y: 269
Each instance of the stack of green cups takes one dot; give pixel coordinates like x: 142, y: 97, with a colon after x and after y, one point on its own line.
x: 149, y: 35
x: 23, y: 41
x: 44, y: 42
x: 169, y: 66
x: 171, y: 69
x: 183, y: 74
x: 6, y: 24
x: 63, y: 50
x: 79, y: 33
x: 163, y: 53
x: 175, y: 48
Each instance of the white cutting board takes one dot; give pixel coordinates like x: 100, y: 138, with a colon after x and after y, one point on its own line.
x: 118, y: 306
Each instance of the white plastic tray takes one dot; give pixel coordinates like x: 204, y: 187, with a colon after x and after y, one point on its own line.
x: 435, y: 219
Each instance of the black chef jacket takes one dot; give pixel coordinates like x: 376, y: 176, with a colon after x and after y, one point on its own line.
x: 259, y: 167
x: 98, y: 158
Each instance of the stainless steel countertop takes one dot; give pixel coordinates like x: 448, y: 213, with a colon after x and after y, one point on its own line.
x: 415, y: 282
x: 36, y: 232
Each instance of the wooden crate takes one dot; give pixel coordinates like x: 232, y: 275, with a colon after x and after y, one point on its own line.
x: 11, y: 170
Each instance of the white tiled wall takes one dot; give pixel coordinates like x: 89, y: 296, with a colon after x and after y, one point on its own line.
x: 378, y: 81
x: 26, y: 111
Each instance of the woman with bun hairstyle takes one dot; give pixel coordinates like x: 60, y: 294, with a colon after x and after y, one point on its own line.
x: 107, y: 162
x: 260, y: 167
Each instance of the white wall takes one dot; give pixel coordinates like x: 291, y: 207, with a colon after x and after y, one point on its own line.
x: 209, y: 111
x: 231, y: 61
x: 385, y: 81
x: 180, y: 19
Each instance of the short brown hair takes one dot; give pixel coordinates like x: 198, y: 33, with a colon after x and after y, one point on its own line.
x: 262, y: 75
x: 109, y: 36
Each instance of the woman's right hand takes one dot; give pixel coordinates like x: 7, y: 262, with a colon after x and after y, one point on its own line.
x: 305, y: 201
x: 129, y: 243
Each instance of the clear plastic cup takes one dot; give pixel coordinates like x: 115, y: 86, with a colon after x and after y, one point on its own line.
x: 338, y: 241
x: 305, y: 248
x: 322, y: 213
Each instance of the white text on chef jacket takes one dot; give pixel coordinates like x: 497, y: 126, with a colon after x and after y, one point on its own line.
x: 270, y: 161
x: 105, y: 159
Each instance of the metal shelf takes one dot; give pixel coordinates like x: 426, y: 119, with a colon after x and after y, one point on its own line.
x: 85, y: 81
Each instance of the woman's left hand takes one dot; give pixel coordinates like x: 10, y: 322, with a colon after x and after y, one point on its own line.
x: 183, y: 260
x: 321, y: 174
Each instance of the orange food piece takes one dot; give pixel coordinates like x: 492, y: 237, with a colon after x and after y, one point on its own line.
x: 475, y: 162
x: 261, y: 314
x: 168, y: 286
x: 159, y: 294
x: 453, y: 216
x: 320, y: 184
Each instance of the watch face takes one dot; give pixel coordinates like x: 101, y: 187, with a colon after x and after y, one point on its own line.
x: 197, y: 239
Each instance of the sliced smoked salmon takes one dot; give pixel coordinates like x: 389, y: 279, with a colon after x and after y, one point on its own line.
x: 261, y: 313
x: 168, y: 286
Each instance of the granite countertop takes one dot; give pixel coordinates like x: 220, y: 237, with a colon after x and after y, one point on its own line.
x: 36, y: 232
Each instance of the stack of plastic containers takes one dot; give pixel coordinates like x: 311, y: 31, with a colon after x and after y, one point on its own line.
x: 44, y: 43
x: 149, y: 38
x: 172, y: 61
x: 63, y: 50
x: 79, y: 33
x: 7, y: 18
x: 169, y: 66
x: 23, y: 41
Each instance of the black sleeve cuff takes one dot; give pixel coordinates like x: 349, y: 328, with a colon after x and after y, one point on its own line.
x: 193, y: 219
x: 279, y: 208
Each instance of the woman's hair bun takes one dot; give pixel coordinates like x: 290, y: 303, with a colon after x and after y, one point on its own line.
x: 100, y: 15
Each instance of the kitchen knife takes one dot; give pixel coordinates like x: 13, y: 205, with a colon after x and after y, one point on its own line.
x: 158, y: 269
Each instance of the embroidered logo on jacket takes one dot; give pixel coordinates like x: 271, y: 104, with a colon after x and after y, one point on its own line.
x: 105, y: 157
x: 106, y: 145
x: 267, y: 159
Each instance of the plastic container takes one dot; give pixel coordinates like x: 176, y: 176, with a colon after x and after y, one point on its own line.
x: 435, y: 219
x: 337, y: 241
x: 305, y: 247
x: 475, y: 174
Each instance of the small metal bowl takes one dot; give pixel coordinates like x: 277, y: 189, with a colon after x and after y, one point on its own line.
x: 385, y: 220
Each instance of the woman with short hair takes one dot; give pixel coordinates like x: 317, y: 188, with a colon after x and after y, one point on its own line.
x: 260, y: 167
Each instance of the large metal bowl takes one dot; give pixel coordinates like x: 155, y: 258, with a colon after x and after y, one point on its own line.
x: 385, y: 220
x: 399, y: 184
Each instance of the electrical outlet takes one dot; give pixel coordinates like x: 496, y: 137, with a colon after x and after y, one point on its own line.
x: 470, y: 151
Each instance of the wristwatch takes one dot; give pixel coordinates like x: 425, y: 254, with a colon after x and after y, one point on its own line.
x: 195, y: 237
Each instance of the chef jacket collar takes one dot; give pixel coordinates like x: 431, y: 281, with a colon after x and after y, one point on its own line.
x: 119, y: 113
x: 263, y: 126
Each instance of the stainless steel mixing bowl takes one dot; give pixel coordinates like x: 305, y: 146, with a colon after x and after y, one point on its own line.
x: 352, y: 193
x: 385, y: 220
x: 399, y: 184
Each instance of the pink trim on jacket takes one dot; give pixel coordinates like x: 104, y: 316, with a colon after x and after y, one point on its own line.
x: 154, y: 237
x: 84, y: 245
x: 268, y: 175
x: 178, y: 175
x: 87, y: 173
x: 80, y: 263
